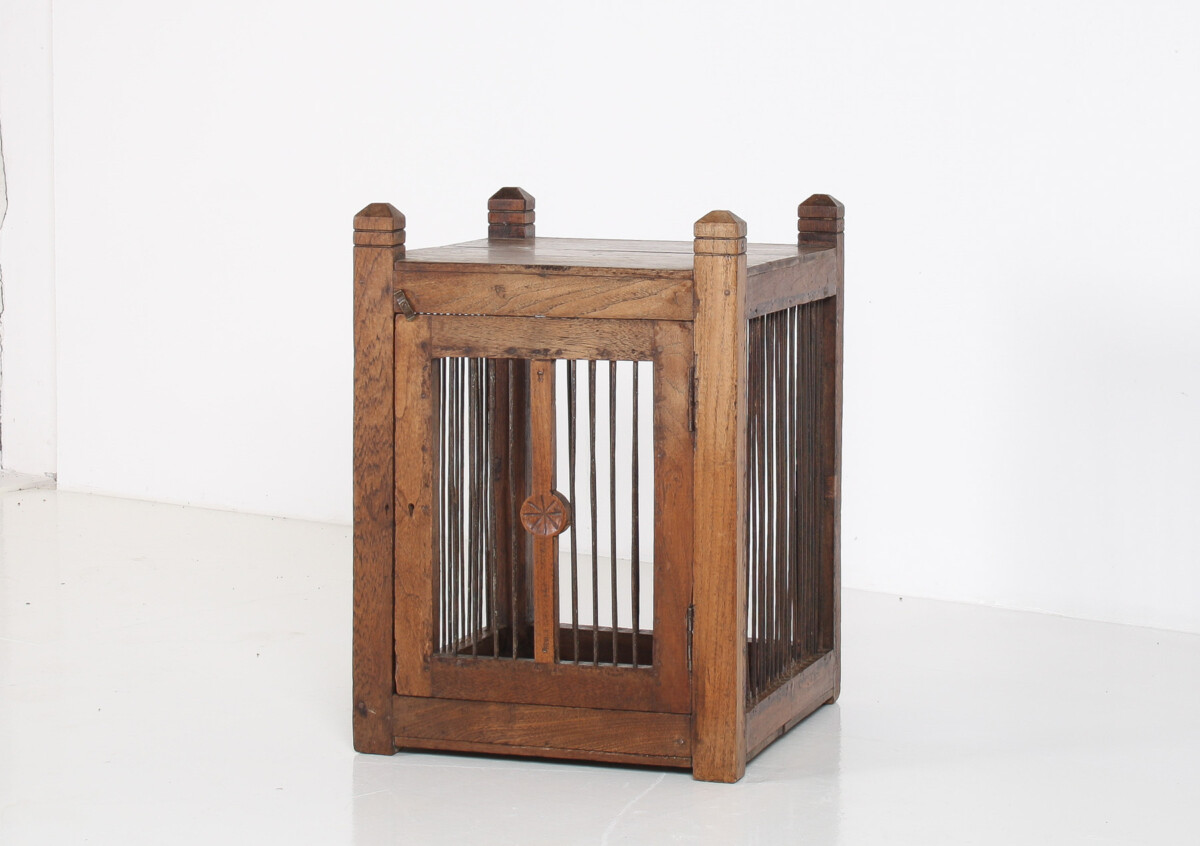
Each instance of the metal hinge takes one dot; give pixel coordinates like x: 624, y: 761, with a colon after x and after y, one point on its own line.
x: 405, y: 305
x: 692, y: 399
x: 691, y: 622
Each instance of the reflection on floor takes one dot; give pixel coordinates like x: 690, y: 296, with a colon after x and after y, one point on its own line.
x: 176, y: 675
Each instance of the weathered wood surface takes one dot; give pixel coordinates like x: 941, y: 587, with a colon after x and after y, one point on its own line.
x: 543, y: 752
x: 608, y: 254
x: 545, y: 548
x: 684, y: 304
x: 414, y: 472
x: 821, y: 222
x: 511, y: 214
x: 570, y: 685
x: 719, y: 570
x: 628, y: 732
x: 642, y: 295
x: 380, y: 227
x: 790, y: 703
x: 532, y: 338
x: 812, y: 274
x: 673, y: 495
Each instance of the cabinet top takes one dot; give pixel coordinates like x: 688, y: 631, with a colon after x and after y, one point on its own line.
x: 661, y: 257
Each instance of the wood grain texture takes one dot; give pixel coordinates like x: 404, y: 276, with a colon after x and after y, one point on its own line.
x: 511, y: 230
x: 546, y: 727
x: 511, y: 214
x: 673, y: 495
x: 379, y: 238
x: 414, y: 471
x: 579, y: 253
x: 719, y: 570
x: 570, y: 685
x: 549, y: 293
x: 511, y: 217
x: 812, y: 274
x: 794, y: 700
x: 533, y: 338
x: 544, y: 752
x: 373, y: 516
x: 525, y: 302
x: 819, y: 220
x: 545, y: 549
x: 832, y: 376
x: 511, y: 199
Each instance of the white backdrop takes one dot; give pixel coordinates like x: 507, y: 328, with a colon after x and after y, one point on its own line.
x: 1022, y: 421
x: 27, y: 389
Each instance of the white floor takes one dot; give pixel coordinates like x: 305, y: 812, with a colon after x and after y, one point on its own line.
x: 174, y: 675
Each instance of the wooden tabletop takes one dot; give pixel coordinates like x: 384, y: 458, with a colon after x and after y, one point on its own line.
x: 587, y: 252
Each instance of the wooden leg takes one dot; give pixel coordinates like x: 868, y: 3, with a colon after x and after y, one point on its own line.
x: 719, y: 663
x: 379, y: 239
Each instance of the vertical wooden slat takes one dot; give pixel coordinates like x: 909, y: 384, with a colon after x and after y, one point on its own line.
x: 545, y: 549
x: 414, y: 507
x: 673, y: 497
x: 719, y: 647
x: 381, y: 242
x: 821, y: 221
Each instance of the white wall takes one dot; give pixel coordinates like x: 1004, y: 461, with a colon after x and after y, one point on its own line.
x: 1022, y: 362
x: 27, y: 389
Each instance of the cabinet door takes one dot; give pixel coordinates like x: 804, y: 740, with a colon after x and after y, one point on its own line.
x: 554, y: 566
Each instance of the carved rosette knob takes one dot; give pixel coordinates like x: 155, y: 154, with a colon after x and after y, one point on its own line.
x: 546, y: 514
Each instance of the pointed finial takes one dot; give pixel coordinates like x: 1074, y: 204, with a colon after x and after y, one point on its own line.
x: 510, y: 214
x: 720, y: 233
x: 379, y: 225
x: 820, y: 219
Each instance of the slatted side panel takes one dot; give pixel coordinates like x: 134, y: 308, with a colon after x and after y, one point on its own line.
x: 786, y: 422
x: 606, y: 472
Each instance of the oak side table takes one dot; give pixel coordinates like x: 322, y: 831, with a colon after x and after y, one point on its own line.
x: 596, y: 497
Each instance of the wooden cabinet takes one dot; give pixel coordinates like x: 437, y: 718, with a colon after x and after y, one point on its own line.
x: 596, y: 489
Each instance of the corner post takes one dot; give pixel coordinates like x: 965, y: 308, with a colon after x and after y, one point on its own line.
x: 820, y: 223
x: 378, y: 242
x: 510, y: 214
x: 719, y: 533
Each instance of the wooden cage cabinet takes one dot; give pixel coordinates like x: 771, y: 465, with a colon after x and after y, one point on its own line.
x: 596, y: 498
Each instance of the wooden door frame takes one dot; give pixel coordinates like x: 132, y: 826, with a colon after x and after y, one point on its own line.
x: 664, y: 686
